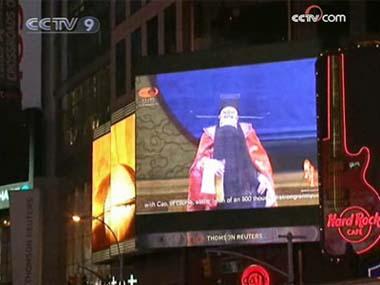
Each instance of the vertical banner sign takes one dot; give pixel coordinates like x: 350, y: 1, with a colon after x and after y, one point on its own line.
x: 25, y: 236
x: 351, y: 204
x: 8, y: 47
x: 30, y: 57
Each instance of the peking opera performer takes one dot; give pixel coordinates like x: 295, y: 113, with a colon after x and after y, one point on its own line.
x: 231, y: 169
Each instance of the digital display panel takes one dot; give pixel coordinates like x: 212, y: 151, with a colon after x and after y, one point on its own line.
x: 241, y: 137
x: 114, y: 185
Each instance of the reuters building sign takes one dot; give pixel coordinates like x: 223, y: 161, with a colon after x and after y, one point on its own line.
x: 314, y: 14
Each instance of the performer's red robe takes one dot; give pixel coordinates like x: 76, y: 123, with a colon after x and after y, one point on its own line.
x: 256, y: 151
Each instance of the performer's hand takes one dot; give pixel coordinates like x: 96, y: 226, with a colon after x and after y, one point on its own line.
x: 264, y: 184
x: 216, y: 166
x: 219, y: 167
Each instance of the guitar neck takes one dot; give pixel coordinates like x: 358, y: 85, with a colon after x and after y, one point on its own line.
x: 336, y: 109
x: 336, y: 193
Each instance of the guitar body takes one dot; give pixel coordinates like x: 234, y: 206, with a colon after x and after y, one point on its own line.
x: 350, y: 202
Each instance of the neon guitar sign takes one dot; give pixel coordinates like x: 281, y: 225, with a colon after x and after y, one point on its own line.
x: 351, y: 204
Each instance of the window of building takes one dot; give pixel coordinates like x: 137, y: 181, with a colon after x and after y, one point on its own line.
x: 58, y: 8
x: 82, y: 49
x: 58, y: 60
x: 5, y: 255
x: 372, y: 16
x: 152, y: 30
x: 72, y: 106
x: 14, y: 147
x: 170, y: 29
x: 332, y: 33
x: 199, y: 28
x: 120, y: 59
x: 221, y: 23
x: 135, y: 53
x: 135, y: 6
x: 120, y: 12
x: 85, y: 107
x: 75, y: 7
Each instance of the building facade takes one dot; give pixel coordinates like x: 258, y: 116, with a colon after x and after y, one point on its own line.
x: 90, y: 77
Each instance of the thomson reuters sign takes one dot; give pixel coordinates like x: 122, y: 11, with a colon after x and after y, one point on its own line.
x: 314, y: 14
x: 354, y: 224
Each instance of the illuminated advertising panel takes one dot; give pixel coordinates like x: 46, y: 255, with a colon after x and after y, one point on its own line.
x: 101, y: 181
x: 7, y: 189
x: 351, y: 200
x: 114, y: 185
x: 241, y: 137
x: 9, y: 48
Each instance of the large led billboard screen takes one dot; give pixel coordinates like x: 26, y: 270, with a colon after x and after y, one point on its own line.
x: 240, y: 137
x: 114, y: 185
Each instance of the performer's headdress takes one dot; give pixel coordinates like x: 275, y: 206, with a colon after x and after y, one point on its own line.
x: 229, y: 100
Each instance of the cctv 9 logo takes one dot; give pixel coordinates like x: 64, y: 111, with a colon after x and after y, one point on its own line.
x: 63, y: 25
x: 88, y: 25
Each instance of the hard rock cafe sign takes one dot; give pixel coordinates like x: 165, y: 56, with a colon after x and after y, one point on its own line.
x: 354, y: 223
x: 351, y: 205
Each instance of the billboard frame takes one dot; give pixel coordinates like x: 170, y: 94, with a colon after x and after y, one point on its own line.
x: 162, y: 223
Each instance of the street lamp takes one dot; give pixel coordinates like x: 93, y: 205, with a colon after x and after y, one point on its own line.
x: 77, y: 219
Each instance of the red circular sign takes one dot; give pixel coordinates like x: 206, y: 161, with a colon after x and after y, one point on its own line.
x: 357, y: 224
x: 148, y: 92
x: 255, y: 275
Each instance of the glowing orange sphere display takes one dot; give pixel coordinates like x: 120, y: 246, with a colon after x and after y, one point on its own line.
x: 119, y: 206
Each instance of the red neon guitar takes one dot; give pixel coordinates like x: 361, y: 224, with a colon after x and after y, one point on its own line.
x: 351, y: 204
